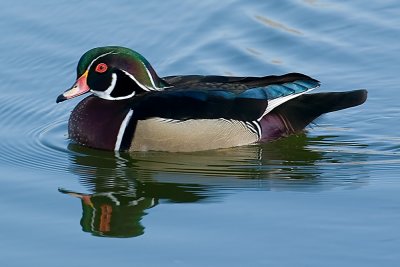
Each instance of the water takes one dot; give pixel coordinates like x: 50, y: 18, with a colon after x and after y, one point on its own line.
x: 325, y: 198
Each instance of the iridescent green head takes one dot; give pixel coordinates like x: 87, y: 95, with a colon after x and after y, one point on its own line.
x: 113, y: 73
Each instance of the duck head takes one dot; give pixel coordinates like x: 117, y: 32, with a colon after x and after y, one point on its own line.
x: 113, y: 73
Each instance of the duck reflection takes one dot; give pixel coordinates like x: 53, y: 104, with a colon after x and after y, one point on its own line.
x: 123, y: 187
x: 112, y: 214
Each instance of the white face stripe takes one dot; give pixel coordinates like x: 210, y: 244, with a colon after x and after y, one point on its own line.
x: 102, y: 55
x: 149, y: 74
x: 144, y: 87
x: 107, y: 93
x: 112, y: 85
x: 151, y: 78
x: 122, y: 129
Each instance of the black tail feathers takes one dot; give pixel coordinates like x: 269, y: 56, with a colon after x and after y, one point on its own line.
x: 301, y: 111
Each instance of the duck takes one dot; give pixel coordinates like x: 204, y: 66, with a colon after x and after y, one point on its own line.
x: 131, y: 108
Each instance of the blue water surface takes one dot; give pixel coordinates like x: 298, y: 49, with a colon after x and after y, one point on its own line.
x: 328, y: 197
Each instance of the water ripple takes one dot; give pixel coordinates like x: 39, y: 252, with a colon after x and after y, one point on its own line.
x: 35, y: 137
x: 34, y: 132
x: 30, y: 137
x: 277, y: 25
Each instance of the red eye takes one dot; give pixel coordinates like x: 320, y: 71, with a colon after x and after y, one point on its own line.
x: 101, y: 67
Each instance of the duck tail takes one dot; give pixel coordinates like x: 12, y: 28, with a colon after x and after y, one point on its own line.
x: 294, y: 115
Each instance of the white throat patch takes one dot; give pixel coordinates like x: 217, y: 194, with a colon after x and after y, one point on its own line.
x: 107, y: 93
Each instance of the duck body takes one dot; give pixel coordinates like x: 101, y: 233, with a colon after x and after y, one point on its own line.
x: 132, y: 109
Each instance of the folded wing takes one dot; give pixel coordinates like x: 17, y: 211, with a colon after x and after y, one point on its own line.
x: 213, y: 97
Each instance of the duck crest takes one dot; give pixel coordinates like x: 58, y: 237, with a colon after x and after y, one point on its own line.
x: 130, y: 59
x: 118, y: 73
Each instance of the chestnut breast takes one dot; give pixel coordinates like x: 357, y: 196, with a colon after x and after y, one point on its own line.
x: 95, y: 122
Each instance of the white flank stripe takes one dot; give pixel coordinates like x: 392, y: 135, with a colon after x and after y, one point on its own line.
x: 122, y: 130
x: 257, y: 125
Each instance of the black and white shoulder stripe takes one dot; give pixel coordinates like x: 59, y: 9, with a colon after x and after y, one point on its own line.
x: 125, y: 133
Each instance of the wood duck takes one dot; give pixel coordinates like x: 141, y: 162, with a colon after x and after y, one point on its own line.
x: 133, y: 109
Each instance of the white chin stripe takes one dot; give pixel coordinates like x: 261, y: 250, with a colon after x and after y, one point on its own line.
x: 122, y: 129
x: 107, y: 93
